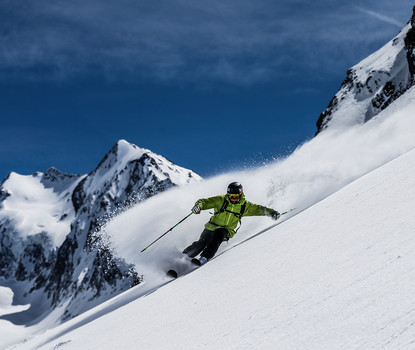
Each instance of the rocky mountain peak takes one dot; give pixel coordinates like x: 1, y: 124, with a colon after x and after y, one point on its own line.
x: 82, y: 265
x: 59, y: 181
x: 374, y: 83
x: 410, y: 46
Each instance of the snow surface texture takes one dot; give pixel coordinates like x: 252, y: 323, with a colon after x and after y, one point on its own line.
x: 338, y: 275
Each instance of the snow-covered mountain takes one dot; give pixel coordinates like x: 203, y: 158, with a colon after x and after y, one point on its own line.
x: 51, y: 250
x: 339, y: 274
x: 374, y: 83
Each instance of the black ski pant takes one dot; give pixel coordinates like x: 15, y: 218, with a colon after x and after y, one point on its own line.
x: 208, y: 243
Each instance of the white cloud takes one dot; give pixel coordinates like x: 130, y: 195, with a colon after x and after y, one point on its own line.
x: 381, y: 17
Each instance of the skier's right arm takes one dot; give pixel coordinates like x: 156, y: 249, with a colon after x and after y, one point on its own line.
x: 208, y: 203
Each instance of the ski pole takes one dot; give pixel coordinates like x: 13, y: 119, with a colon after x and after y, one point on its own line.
x: 165, y: 233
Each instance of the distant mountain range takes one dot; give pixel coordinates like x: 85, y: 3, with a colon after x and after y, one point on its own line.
x: 50, y: 246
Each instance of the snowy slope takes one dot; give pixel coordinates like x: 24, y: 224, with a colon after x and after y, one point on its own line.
x: 338, y: 275
x: 323, y: 279
x: 277, y: 274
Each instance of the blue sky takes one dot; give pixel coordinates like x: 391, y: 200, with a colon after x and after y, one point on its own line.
x: 211, y: 85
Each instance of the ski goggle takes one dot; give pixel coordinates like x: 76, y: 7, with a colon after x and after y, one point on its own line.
x: 234, y: 196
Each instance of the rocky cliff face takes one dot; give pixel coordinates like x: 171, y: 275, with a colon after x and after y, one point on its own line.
x: 50, y: 223
x: 373, y: 84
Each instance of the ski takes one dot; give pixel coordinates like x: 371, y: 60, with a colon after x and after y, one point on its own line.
x: 172, y: 274
x: 184, y: 270
x: 196, y: 262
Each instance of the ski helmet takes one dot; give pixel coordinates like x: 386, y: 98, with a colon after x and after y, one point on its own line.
x: 235, y: 188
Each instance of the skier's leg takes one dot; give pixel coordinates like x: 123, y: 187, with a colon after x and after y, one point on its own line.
x: 213, y: 246
x: 196, y: 247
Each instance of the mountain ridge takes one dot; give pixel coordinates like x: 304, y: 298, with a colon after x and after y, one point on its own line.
x: 374, y: 83
x: 76, y: 263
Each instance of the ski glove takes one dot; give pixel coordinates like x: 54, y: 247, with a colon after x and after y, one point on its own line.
x: 275, y: 215
x: 196, y: 209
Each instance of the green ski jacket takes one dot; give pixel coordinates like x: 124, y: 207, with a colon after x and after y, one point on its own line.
x: 230, y: 217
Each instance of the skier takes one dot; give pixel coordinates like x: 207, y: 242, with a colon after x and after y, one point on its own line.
x: 229, y: 210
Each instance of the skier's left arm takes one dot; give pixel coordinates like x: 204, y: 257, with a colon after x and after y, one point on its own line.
x: 259, y: 210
